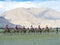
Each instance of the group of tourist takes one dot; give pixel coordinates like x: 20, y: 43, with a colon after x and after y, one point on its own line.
x: 24, y: 29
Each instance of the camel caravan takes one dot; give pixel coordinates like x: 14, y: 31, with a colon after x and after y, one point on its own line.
x: 27, y: 30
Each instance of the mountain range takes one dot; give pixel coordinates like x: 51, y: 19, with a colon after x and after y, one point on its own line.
x: 4, y: 22
x: 33, y: 16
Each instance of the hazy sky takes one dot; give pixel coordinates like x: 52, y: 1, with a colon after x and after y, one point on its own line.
x: 11, y: 4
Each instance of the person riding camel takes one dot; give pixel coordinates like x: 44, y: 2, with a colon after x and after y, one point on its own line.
x: 24, y: 29
x: 32, y: 29
x: 39, y: 27
x: 16, y: 28
x: 7, y: 28
x: 47, y: 29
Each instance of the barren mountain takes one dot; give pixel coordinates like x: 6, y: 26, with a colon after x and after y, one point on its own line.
x: 34, y: 16
x: 4, y: 22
